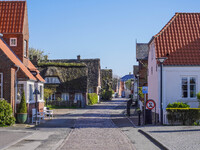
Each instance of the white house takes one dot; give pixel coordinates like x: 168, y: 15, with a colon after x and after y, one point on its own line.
x: 179, y: 42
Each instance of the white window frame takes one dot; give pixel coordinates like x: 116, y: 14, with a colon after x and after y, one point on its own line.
x: 1, y: 85
x: 77, y: 96
x: 65, y: 96
x: 12, y: 43
x: 188, y: 87
x: 25, y: 48
x: 31, y: 95
x: 52, y: 80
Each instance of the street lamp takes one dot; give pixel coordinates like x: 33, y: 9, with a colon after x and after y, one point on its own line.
x: 161, y: 60
x: 36, y: 93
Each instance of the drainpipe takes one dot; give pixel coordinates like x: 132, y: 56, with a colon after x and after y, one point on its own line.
x: 16, y: 83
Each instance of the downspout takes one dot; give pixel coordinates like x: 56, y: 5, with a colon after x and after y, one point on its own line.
x: 16, y: 83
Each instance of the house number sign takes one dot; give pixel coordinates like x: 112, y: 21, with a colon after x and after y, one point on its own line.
x: 150, y: 104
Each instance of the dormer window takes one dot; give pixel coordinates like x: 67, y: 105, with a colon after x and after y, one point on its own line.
x: 25, y: 48
x: 52, y: 80
x: 13, y: 41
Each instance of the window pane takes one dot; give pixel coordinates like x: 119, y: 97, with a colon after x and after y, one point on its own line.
x: 184, y: 80
x: 185, y: 94
x: 192, y: 80
x: 184, y: 87
x: 20, y: 88
x: 192, y: 91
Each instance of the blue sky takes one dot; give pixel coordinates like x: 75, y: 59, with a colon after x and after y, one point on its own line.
x: 105, y: 29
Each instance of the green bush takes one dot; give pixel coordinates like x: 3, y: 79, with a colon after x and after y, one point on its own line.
x: 6, y: 113
x: 183, y: 115
x: 93, y: 98
x: 107, y: 95
x: 178, y: 105
x: 22, y: 105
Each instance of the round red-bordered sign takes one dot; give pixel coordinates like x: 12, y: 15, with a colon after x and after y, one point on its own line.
x: 150, y: 104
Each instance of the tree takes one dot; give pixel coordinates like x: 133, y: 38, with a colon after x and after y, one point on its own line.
x: 39, y: 53
x: 128, y: 84
x: 47, y: 93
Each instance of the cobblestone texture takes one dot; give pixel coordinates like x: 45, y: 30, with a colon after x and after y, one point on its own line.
x: 95, y: 130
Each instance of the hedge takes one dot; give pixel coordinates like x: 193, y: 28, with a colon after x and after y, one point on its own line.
x: 93, y: 98
x: 183, y: 115
x: 107, y: 95
x: 6, y: 114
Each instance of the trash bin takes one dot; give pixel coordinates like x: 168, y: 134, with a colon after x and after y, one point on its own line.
x: 148, y: 119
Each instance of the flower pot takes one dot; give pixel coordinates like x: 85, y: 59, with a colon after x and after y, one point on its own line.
x: 21, y: 117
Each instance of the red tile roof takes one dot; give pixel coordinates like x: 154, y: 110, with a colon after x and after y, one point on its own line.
x: 9, y: 53
x: 179, y: 40
x: 33, y: 68
x: 12, y: 16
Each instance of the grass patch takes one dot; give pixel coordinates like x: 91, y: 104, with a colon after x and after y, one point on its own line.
x: 59, y: 64
x: 61, y: 107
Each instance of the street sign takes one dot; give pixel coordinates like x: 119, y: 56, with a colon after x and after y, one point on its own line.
x: 144, y: 89
x: 150, y: 104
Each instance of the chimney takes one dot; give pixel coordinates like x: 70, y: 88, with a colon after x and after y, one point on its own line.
x: 35, y: 60
x: 78, y: 57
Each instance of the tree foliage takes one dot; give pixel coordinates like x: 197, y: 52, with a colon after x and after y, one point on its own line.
x: 128, y: 84
x: 22, y: 105
x: 39, y: 53
x: 47, y: 93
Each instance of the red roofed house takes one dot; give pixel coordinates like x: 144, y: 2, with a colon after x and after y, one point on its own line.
x: 17, y: 73
x: 179, y: 41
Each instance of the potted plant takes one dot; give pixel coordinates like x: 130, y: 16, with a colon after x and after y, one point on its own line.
x: 22, y: 110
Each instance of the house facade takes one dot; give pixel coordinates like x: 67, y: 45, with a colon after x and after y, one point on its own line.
x: 17, y: 73
x: 68, y: 81
x: 179, y: 42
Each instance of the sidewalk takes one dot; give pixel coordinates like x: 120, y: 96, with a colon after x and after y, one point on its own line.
x: 169, y: 137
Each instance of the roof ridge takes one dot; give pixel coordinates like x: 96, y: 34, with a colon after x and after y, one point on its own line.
x: 165, y: 27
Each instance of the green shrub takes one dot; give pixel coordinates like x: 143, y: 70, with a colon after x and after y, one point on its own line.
x: 183, y: 115
x: 6, y: 113
x: 107, y: 95
x: 22, y: 105
x: 93, y: 98
x: 178, y: 105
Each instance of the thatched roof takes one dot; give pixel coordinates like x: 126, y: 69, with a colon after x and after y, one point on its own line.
x: 93, y: 66
x: 73, y: 78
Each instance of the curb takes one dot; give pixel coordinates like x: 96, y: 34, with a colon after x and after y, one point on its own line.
x: 160, y: 145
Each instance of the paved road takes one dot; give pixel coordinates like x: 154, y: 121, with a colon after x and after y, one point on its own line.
x: 99, y: 127
x: 95, y: 130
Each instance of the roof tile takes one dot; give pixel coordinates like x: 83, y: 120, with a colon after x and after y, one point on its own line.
x: 180, y: 40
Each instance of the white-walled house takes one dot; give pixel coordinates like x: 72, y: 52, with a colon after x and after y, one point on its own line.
x: 179, y: 42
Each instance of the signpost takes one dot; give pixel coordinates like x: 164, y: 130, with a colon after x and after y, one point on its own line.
x: 145, y: 91
x: 150, y: 104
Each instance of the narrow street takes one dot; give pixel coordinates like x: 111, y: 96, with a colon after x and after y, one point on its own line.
x: 101, y: 126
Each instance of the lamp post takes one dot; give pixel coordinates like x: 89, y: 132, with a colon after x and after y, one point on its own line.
x: 161, y: 60
x: 36, y: 92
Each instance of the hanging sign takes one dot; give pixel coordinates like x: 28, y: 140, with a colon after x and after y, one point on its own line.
x: 150, y: 104
x: 144, y: 89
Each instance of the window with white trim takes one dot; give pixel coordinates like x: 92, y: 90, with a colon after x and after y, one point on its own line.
x: 20, y: 89
x: 41, y: 92
x: 188, y: 87
x: 52, y: 97
x: 78, y: 97
x: 52, y: 80
x: 25, y: 48
x: 1, y: 85
x: 65, y: 96
x: 31, y: 97
x: 13, y: 41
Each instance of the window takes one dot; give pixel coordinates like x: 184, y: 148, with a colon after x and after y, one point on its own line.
x: 25, y: 48
x: 188, y: 87
x: 20, y: 89
x: 13, y: 41
x: 41, y: 92
x: 1, y: 85
x: 52, y: 97
x: 78, y: 97
x: 31, y: 98
x: 65, y: 96
x: 52, y: 80
x: 90, y: 90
